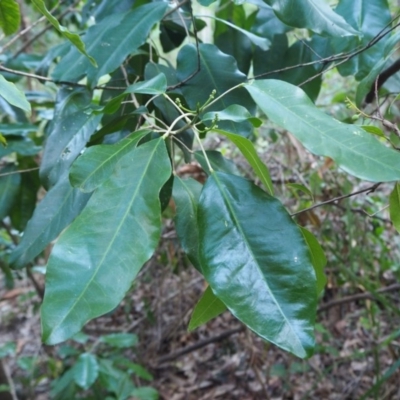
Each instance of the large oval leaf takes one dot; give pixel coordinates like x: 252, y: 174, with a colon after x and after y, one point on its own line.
x: 355, y: 150
x: 93, y: 263
x: 256, y: 261
x: 13, y: 95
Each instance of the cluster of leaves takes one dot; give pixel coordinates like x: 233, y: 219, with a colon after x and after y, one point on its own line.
x: 126, y: 114
x: 100, y: 369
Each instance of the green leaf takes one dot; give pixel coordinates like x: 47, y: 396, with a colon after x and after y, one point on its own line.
x: 208, y: 307
x: 219, y: 72
x: 301, y: 188
x: 56, y: 211
x: 86, y: 370
x: 145, y: 393
x: 394, y: 206
x: 317, y: 257
x: 105, y: 247
x: 186, y: 193
x: 374, y: 130
x: 217, y: 161
x: 365, y: 85
x: 13, y: 95
x: 96, y: 164
x: 3, y: 140
x: 248, y: 151
x: 9, y: 189
x: 233, y: 113
x: 72, y: 37
x: 67, y: 139
x: 9, y: 16
x: 256, y: 261
x: 120, y: 340
x: 154, y: 86
x: 110, y: 42
x: 259, y: 41
x: 353, y: 149
x: 311, y: 14
x: 370, y: 19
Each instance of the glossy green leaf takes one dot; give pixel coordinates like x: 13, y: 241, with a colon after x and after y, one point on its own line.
x: 259, y: 41
x: 9, y: 188
x: 13, y: 95
x: 110, y: 42
x: 56, y: 211
x: 394, y: 206
x: 317, y: 257
x: 233, y: 113
x: 86, y: 370
x: 3, y: 140
x: 256, y: 261
x: 315, y: 15
x: 120, y: 340
x: 96, y: 164
x: 219, y: 72
x: 370, y: 18
x: 208, y: 307
x: 217, y: 161
x: 249, y: 152
x: 68, y: 138
x: 353, y: 149
x: 154, y: 86
x: 107, y: 244
x: 186, y: 193
x: 9, y: 16
x: 72, y: 37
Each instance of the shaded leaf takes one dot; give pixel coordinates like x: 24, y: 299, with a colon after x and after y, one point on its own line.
x: 353, y: 149
x: 105, y: 247
x: 311, y: 14
x: 249, y: 152
x: 394, y: 206
x: 110, y: 42
x: 259, y: 41
x: 56, y: 211
x: 96, y: 164
x: 9, y: 188
x: 72, y: 37
x: 86, y: 370
x: 186, y: 193
x: 301, y: 188
x: 9, y: 16
x: 13, y: 95
x: 219, y: 72
x: 370, y: 18
x: 68, y: 137
x: 317, y: 257
x: 256, y: 261
x: 120, y: 340
x: 208, y: 307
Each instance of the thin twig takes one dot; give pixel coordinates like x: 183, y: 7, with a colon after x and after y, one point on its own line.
x: 367, y: 190
x: 358, y: 296
x: 20, y: 171
x: 200, y: 344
